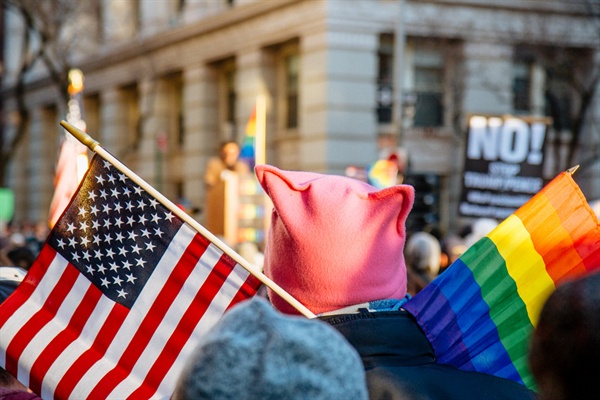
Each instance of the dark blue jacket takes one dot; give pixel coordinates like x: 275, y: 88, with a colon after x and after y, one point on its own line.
x: 395, y: 352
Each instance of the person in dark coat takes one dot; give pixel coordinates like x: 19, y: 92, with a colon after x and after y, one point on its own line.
x: 565, y: 346
x: 336, y: 245
x: 10, y: 278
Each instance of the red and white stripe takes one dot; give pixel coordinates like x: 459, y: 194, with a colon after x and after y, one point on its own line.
x: 64, y: 339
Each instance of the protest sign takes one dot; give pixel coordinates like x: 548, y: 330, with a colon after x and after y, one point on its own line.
x: 503, y: 165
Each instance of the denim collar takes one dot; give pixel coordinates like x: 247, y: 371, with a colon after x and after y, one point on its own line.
x: 372, y: 306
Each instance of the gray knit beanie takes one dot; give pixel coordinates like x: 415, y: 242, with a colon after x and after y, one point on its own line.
x: 255, y: 352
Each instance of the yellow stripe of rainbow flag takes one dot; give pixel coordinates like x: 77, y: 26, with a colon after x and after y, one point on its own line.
x: 534, y: 285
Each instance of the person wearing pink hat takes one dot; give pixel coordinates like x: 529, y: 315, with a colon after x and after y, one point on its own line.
x: 336, y: 244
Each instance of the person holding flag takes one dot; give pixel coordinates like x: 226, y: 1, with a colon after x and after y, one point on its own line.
x: 336, y: 244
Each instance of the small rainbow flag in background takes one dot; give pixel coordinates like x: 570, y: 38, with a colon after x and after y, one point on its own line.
x: 383, y: 173
x: 247, y: 153
x: 479, y: 313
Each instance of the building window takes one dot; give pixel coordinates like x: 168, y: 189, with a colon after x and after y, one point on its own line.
x: 283, y: 61
x: 428, y: 88
x: 385, y: 74
x: 180, y: 6
x: 521, y: 87
x: 230, y: 97
x: 224, y: 90
x: 227, y: 98
x: 91, y: 113
x: 134, y: 118
x: 292, y: 68
x: 176, y: 10
x: 137, y: 16
x: 173, y: 86
x: 558, y: 97
x: 544, y: 81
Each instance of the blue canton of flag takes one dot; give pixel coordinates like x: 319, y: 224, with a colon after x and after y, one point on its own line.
x: 114, y: 233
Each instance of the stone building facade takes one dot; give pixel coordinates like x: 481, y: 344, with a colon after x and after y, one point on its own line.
x: 166, y: 81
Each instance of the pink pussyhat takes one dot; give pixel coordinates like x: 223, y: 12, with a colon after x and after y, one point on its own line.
x: 334, y: 241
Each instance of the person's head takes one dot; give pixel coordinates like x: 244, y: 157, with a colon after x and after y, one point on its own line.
x: 10, y: 278
x: 229, y: 153
x: 480, y: 228
x: 565, y: 346
x: 21, y: 257
x: 334, y: 241
x: 423, y: 254
x: 453, y: 247
x: 7, y: 381
x: 256, y: 352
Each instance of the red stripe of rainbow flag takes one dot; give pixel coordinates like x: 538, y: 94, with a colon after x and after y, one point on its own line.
x: 479, y: 314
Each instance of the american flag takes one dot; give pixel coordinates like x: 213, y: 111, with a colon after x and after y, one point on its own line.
x: 118, y: 297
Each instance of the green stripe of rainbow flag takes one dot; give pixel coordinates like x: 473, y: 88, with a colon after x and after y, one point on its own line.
x: 479, y: 314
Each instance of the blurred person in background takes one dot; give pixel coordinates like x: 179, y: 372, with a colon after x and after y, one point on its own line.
x: 16, y: 253
x: 480, y: 228
x: 218, y: 170
x: 423, y: 255
x: 228, y: 160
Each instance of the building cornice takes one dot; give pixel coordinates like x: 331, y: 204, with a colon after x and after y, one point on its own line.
x: 547, y: 6
x: 161, y: 39
x: 142, y: 45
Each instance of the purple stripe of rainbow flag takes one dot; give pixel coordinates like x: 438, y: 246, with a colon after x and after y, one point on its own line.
x: 479, y: 314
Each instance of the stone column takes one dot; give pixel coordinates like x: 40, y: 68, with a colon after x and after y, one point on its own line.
x: 46, y: 135
x: 149, y: 125
x: 117, y: 134
x: 120, y: 20
x: 201, y: 130
x: 337, y: 118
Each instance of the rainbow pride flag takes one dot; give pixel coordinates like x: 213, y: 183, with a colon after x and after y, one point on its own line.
x: 247, y: 152
x: 480, y: 312
x: 383, y: 173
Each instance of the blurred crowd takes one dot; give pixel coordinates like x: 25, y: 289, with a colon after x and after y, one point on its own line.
x: 429, y: 253
x: 363, y: 343
x: 19, y: 247
x: 20, y: 244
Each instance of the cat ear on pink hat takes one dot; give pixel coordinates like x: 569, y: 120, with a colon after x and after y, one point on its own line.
x: 334, y: 241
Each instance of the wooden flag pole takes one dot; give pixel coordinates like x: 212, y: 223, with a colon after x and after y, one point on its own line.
x: 94, y: 146
x: 261, y: 130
